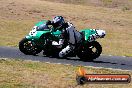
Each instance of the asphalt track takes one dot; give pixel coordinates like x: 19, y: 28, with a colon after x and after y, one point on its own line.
x: 114, y: 62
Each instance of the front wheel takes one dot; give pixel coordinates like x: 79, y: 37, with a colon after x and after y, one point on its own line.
x: 90, y: 51
x: 29, y: 47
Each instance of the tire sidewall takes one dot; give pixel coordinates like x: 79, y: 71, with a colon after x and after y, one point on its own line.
x: 23, y: 50
x: 86, y: 55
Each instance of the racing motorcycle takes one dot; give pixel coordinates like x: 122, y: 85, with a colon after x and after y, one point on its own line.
x: 41, y: 38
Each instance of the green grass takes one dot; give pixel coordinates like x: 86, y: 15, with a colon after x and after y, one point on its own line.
x: 16, y: 73
x: 13, y: 31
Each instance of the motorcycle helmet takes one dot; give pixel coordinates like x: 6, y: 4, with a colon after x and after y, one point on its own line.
x: 58, y: 21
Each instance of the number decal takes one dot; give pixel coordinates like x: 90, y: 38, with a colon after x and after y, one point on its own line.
x: 34, y: 31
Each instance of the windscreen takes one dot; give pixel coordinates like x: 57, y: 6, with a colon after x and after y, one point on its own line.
x: 43, y: 27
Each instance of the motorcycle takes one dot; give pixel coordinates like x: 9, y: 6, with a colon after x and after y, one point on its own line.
x: 41, y: 38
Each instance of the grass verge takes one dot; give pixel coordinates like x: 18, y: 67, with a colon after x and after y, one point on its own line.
x: 16, y: 73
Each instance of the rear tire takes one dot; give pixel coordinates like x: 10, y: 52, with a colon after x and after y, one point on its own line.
x: 87, y: 53
x: 28, y: 47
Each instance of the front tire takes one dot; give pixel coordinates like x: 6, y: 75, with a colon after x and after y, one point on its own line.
x: 28, y: 47
x: 90, y: 51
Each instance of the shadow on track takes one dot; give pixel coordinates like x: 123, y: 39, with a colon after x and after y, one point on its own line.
x: 102, y: 62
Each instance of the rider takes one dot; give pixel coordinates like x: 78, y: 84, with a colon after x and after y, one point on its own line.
x: 69, y: 33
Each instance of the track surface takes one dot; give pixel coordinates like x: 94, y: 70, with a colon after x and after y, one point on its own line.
x: 115, y: 62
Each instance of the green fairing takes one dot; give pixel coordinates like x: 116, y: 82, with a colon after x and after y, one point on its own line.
x: 40, y: 33
x: 88, y: 33
x: 56, y: 33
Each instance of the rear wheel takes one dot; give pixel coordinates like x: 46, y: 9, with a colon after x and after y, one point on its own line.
x: 29, y: 47
x: 90, y: 51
